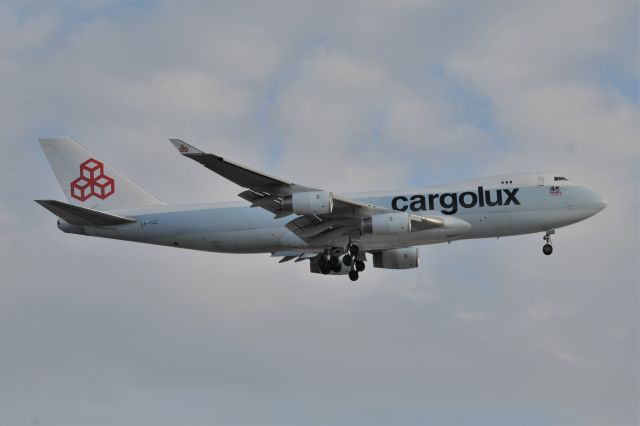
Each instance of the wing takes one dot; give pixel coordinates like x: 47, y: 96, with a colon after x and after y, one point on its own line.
x: 268, y: 192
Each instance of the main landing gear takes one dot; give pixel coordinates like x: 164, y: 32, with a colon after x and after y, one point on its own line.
x: 329, y: 264
x: 352, y: 259
x: 547, y: 249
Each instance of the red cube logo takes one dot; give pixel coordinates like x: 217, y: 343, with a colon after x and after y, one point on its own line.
x: 103, y: 187
x: 81, y: 189
x: 92, y: 182
x: 91, y: 169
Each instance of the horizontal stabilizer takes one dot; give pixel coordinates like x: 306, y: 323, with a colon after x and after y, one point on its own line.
x: 81, y: 216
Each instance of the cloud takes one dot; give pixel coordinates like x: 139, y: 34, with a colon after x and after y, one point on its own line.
x: 348, y: 96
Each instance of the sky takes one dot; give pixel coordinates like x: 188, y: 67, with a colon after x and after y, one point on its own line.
x: 348, y: 96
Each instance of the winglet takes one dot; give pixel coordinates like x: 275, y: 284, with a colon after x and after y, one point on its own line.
x: 184, y: 148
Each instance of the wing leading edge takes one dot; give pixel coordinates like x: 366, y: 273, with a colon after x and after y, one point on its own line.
x: 268, y: 192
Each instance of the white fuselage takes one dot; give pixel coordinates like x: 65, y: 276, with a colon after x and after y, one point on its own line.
x: 487, y: 207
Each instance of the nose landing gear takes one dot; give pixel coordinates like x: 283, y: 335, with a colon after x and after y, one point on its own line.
x: 547, y: 249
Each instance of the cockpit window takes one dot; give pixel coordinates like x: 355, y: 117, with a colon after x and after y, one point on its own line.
x: 559, y: 178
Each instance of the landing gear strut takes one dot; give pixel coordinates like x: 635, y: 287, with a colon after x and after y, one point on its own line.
x: 547, y: 249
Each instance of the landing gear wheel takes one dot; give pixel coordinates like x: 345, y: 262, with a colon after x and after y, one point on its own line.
x: 323, y: 264
x: 353, y: 275
x: 347, y: 260
x: 360, y: 266
x: 334, y: 264
x: 547, y: 249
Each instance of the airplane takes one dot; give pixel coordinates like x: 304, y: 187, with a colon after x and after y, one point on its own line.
x: 334, y: 232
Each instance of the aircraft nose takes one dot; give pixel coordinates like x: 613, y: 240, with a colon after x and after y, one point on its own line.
x: 603, y: 204
x: 599, y: 201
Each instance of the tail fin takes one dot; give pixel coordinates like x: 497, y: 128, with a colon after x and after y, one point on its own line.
x: 89, y: 182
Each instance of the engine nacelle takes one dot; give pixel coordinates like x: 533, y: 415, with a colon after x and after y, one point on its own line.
x: 387, y: 224
x: 403, y: 258
x: 308, y: 203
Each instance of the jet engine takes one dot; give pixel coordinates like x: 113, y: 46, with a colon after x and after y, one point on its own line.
x: 387, y: 224
x: 308, y: 203
x: 402, y: 258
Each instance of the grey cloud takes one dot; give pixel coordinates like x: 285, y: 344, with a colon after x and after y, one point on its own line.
x: 348, y: 96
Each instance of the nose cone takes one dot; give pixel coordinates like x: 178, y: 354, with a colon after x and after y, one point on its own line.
x: 594, y: 203
x: 599, y: 201
x: 602, y: 204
